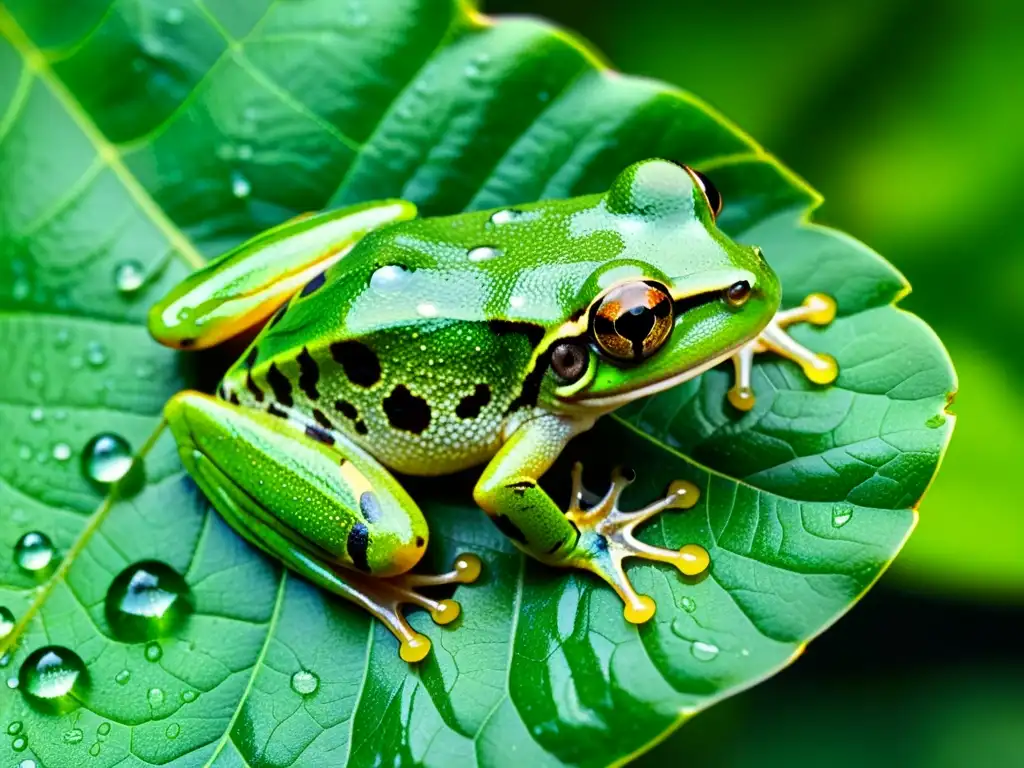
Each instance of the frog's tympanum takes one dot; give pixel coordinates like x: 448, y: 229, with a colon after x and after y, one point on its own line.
x: 429, y: 345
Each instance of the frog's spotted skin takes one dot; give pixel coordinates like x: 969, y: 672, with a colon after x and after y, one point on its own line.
x: 432, y: 345
x: 433, y: 412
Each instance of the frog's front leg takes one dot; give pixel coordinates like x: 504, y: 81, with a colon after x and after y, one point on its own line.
x: 817, y: 309
x: 597, y: 538
x: 320, y: 504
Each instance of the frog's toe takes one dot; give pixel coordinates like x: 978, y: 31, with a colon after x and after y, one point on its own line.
x: 607, y: 538
x: 817, y: 309
x: 386, y: 598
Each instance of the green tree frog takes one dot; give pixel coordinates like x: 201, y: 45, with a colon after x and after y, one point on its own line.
x: 429, y: 345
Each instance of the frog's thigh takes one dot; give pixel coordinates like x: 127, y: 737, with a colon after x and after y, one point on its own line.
x: 320, y: 495
x: 316, y: 507
x: 241, y: 289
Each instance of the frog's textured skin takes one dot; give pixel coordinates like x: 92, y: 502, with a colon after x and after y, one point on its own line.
x: 432, y: 345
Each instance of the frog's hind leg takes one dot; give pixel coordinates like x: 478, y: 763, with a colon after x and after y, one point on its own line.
x: 318, y: 503
x: 241, y: 289
x: 817, y: 309
x: 381, y: 598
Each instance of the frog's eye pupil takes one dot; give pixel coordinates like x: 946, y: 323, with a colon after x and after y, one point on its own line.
x: 632, y: 321
x: 738, y: 293
x: 569, y: 360
x: 714, y: 197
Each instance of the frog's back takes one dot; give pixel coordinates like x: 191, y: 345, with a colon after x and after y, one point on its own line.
x: 419, y: 344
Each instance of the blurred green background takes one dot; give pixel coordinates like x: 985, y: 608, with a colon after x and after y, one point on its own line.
x: 908, y: 116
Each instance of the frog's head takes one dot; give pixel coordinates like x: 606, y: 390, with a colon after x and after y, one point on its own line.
x: 678, y: 298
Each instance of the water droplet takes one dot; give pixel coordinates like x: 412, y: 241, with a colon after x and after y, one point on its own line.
x: 508, y: 216
x: 62, y: 451
x: 27, y: 763
x: 426, y: 309
x: 36, y: 415
x: 155, y: 697
x: 62, y: 339
x: 484, y: 253
x: 6, y: 622
x: 103, y: 729
x: 95, y: 354
x: 173, y: 731
x: 34, y: 551
x: 543, y: 96
x: 129, y: 276
x: 74, y: 736
x: 106, y: 459
x: 14, y: 728
x: 50, y: 677
x: 174, y: 16
x: 305, y: 683
x: 703, y: 651
x: 95, y: 749
x: 689, y: 604
x: 147, y: 600
x: 123, y: 677
x: 154, y: 652
x: 35, y: 377
x: 189, y: 696
x: 12, y: 683
x: 25, y: 453
x: 19, y: 744
x: 841, y: 514
x: 935, y: 421
x: 240, y: 186
x: 388, y: 278
x: 244, y: 152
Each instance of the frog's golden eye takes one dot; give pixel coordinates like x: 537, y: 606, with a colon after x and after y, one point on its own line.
x: 632, y: 321
x: 711, y: 193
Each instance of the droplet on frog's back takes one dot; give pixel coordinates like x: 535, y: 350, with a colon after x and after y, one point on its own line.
x: 484, y: 253
x: 52, y: 679
x: 388, y: 278
x: 34, y: 552
x: 147, y: 600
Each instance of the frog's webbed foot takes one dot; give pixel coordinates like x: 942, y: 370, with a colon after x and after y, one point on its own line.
x: 607, y: 537
x: 817, y: 309
x: 385, y: 599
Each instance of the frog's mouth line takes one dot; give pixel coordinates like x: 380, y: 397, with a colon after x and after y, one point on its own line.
x: 610, y: 402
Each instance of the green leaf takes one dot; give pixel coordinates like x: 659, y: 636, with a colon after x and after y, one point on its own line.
x: 148, y: 133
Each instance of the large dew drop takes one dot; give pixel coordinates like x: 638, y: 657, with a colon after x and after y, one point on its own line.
x: 106, y: 459
x: 52, y: 679
x: 34, y: 552
x: 147, y: 600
